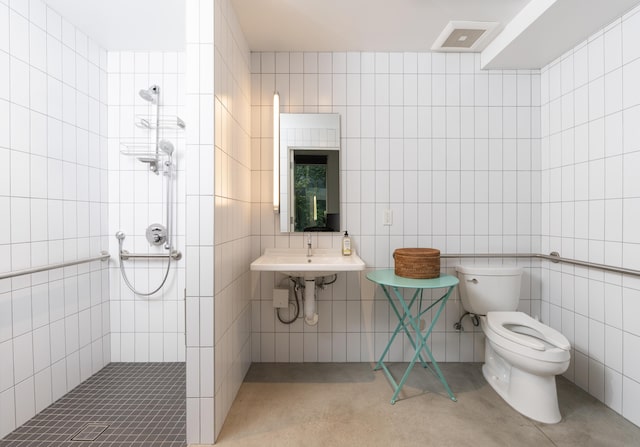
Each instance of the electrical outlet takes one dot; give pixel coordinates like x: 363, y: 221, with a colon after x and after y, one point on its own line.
x: 388, y: 217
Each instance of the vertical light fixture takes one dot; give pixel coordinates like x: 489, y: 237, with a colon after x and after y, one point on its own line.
x: 276, y: 152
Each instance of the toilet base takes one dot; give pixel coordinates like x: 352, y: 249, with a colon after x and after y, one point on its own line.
x: 532, y: 395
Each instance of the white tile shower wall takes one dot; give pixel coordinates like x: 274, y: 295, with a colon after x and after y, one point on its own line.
x: 145, y: 328
x: 451, y: 150
x: 54, y: 326
x: 218, y: 207
x: 590, y: 209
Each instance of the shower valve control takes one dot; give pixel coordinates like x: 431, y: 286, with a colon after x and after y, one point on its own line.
x: 156, y: 234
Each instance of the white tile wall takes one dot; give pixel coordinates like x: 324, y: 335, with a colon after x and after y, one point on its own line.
x: 218, y: 204
x: 53, y: 207
x: 145, y: 328
x: 454, y: 153
x: 590, y: 190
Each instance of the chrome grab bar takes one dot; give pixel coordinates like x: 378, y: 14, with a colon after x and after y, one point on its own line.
x: 553, y: 257
x: 104, y: 255
x: 125, y: 255
x: 489, y: 255
x: 177, y: 255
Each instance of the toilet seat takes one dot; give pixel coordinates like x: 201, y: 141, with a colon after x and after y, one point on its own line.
x: 498, y: 322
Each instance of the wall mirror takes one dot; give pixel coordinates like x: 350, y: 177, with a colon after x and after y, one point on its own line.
x: 309, y: 172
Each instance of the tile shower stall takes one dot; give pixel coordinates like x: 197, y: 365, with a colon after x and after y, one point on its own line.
x: 468, y: 161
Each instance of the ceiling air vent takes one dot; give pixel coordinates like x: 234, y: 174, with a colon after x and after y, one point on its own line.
x: 464, y: 36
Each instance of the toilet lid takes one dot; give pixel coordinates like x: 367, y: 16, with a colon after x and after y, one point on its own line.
x: 499, y: 323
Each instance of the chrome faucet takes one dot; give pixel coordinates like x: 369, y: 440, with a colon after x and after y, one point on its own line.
x: 309, y: 246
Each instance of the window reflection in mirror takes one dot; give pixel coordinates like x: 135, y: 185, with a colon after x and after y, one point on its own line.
x: 315, y: 190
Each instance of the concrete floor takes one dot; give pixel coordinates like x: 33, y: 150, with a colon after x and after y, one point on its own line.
x: 349, y: 405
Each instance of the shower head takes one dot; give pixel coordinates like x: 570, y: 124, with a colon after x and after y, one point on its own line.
x: 166, y: 146
x: 150, y: 94
x: 120, y: 235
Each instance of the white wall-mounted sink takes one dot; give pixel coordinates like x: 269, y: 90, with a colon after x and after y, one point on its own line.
x: 295, y: 262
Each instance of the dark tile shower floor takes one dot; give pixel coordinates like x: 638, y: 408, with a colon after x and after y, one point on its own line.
x: 124, y: 404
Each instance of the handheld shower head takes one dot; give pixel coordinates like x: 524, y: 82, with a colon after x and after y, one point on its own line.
x: 166, y: 146
x: 150, y: 94
x: 120, y: 235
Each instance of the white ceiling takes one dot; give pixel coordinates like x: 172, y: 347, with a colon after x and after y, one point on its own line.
x: 531, y: 33
x: 127, y: 24
x: 360, y: 25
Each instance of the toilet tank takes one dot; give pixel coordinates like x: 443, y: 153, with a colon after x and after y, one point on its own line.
x: 484, y: 289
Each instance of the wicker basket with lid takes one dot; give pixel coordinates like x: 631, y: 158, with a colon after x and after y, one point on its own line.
x: 417, y: 263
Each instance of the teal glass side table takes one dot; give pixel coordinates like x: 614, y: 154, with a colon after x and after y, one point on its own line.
x: 391, y: 286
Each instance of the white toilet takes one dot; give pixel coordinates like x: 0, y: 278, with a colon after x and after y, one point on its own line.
x: 522, y: 355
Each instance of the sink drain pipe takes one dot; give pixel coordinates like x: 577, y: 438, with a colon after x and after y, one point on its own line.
x: 311, y: 287
x: 310, y: 311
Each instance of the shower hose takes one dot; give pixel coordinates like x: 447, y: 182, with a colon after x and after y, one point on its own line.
x: 126, y: 279
x: 168, y: 244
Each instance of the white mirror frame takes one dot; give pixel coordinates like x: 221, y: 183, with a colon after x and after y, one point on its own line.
x: 302, y: 131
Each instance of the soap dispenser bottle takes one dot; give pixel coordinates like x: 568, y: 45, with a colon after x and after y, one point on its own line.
x: 346, y: 244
